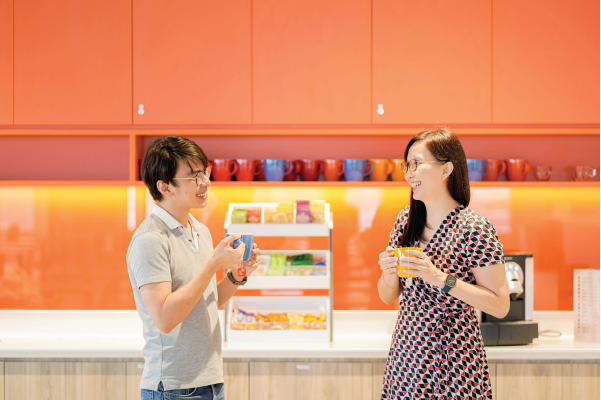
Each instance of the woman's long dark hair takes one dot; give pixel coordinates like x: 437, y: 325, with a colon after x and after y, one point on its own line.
x: 445, y: 147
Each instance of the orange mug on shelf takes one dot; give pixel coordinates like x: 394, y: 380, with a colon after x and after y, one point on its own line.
x: 498, y: 168
x: 397, y: 174
x: 382, y: 169
x: 311, y: 169
x: 402, y: 252
x: 248, y: 169
x: 296, y: 168
x: 261, y: 175
x: 584, y: 173
x: 223, y: 169
x: 334, y: 169
x: 517, y: 169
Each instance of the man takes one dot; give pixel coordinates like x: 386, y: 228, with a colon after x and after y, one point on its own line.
x: 172, y: 265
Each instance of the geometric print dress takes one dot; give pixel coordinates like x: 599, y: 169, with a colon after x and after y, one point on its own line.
x: 437, y: 350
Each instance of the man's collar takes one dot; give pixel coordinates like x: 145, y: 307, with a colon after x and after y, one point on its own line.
x: 171, y: 222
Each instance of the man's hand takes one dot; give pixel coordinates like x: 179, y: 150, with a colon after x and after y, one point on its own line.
x: 251, y: 264
x: 226, y: 257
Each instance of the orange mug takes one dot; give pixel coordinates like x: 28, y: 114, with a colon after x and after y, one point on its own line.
x: 517, y: 169
x: 382, y: 168
x: 498, y: 168
x: 311, y: 169
x: 334, y: 170
x: 402, y: 252
x: 296, y: 168
x: 248, y: 169
x: 397, y: 174
x: 223, y: 169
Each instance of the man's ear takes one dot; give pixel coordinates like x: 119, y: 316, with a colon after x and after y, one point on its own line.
x: 163, y: 188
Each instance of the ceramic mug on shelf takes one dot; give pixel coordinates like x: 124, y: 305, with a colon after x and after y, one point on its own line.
x: 248, y: 169
x: 276, y: 169
x: 311, y: 169
x: 356, y: 170
x: 397, y: 174
x: 517, y: 169
x: 382, y: 169
x: 296, y: 168
x: 542, y: 173
x: 584, y: 173
x: 477, y: 169
x: 223, y: 169
x: 334, y: 170
x: 498, y: 168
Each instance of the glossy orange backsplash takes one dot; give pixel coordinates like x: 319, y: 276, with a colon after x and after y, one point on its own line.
x: 64, y: 247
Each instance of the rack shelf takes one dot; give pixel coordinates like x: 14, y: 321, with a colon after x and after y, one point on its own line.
x: 499, y: 184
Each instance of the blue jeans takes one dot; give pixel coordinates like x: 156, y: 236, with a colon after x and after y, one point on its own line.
x: 210, y: 392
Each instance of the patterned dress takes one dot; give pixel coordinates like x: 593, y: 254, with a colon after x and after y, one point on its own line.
x: 437, y: 350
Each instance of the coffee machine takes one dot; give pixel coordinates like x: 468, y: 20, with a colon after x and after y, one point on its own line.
x: 516, y: 328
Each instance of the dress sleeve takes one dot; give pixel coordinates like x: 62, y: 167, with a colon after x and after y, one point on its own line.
x: 483, y: 245
x: 399, y: 228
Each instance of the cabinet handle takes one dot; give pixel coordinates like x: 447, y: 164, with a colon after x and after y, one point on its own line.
x: 140, y: 366
x: 303, y: 367
x: 380, y: 110
x: 141, y: 109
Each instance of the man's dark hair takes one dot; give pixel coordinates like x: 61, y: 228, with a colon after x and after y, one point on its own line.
x: 161, y: 158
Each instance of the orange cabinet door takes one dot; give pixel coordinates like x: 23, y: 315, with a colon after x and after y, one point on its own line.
x: 192, y: 62
x: 73, y: 62
x: 431, y: 61
x: 6, y: 62
x: 546, y: 61
x: 311, y: 61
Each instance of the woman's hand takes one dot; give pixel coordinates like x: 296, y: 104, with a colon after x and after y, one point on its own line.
x: 423, y: 267
x: 388, y: 262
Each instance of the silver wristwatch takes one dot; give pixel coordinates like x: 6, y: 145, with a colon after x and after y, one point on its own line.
x: 230, y: 276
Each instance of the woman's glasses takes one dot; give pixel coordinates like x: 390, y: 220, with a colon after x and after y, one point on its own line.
x: 413, y: 164
x: 200, y: 176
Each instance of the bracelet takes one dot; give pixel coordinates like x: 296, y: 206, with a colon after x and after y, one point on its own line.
x: 384, y: 280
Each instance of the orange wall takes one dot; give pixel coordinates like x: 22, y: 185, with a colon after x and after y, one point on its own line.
x: 64, y: 247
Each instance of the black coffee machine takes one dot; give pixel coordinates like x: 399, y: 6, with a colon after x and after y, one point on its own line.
x: 516, y: 327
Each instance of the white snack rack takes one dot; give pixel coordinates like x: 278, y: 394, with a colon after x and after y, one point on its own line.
x: 289, y: 303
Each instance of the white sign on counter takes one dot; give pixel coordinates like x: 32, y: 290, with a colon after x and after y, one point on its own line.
x: 586, y: 305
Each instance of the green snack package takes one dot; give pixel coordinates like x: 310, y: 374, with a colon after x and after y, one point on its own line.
x: 238, y: 216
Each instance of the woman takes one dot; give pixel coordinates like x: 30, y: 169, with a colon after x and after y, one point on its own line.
x: 437, y: 350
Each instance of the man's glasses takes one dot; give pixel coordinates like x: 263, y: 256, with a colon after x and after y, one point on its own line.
x: 200, y: 176
x: 413, y: 164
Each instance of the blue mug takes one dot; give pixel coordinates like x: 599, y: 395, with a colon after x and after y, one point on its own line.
x: 476, y: 168
x: 276, y: 169
x: 354, y: 170
x: 247, y: 240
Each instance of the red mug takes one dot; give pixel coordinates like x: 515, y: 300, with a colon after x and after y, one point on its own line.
x: 334, y: 169
x: 517, y: 169
x: 498, y: 168
x: 248, y: 169
x: 223, y: 169
x: 311, y: 169
x: 296, y: 168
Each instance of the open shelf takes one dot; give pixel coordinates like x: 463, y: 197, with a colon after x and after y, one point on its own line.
x: 214, y: 184
x: 276, y: 304
x: 499, y: 184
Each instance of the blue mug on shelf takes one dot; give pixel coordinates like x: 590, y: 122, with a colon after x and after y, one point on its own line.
x: 354, y: 170
x: 276, y: 169
x: 476, y: 169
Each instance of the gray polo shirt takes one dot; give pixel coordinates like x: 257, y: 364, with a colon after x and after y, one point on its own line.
x: 189, y: 356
